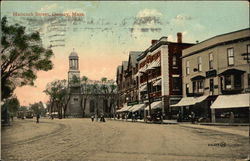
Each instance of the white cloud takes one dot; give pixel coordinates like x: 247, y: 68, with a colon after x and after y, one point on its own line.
x: 49, y: 7
x: 148, y: 13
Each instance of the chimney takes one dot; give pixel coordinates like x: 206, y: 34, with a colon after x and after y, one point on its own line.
x: 179, y: 37
x: 153, y: 42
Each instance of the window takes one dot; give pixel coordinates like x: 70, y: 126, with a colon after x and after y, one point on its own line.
x: 174, y: 61
x: 228, y: 82
x: 230, y: 56
x: 176, y: 84
x: 211, y: 84
x: 237, y: 81
x: 211, y: 61
x: 198, y: 86
x: 187, y: 89
x: 187, y: 68
x: 199, y: 64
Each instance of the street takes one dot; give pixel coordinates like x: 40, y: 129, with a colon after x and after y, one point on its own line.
x: 81, y: 139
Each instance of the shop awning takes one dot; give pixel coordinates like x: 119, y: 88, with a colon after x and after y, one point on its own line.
x: 231, y: 101
x: 125, y: 108
x: 143, y: 88
x: 187, y: 101
x: 154, y: 105
x: 137, y: 107
x: 157, y: 83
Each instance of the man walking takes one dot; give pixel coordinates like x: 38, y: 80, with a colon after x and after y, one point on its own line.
x: 37, y: 118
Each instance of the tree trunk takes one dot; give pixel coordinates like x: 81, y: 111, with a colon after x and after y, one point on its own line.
x: 84, y: 107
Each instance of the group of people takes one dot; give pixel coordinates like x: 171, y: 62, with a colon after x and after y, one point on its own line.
x: 102, y: 119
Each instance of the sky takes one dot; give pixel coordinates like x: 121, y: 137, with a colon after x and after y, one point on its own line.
x: 103, y: 33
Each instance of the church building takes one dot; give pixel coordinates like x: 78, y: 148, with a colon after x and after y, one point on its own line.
x: 89, y: 97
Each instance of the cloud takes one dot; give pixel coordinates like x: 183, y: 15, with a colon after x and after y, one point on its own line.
x: 148, y: 17
x: 183, y: 17
x: 148, y: 12
x: 49, y: 7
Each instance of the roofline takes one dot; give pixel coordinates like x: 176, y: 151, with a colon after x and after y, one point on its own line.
x: 220, y: 43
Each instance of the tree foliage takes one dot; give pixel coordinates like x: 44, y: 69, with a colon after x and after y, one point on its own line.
x: 22, y: 55
x: 59, y: 96
x: 38, y: 108
x: 10, y: 105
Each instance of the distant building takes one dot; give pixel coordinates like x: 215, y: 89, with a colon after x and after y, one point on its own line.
x: 216, y: 79
x: 88, y: 97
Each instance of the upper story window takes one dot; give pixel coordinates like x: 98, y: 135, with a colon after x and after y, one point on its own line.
x: 198, y: 86
x: 211, y: 61
x: 248, y: 53
x: 176, y: 84
x: 230, y: 56
x: 174, y: 61
x: 187, y: 89
x: 187, y: 67
x: 199, y: 64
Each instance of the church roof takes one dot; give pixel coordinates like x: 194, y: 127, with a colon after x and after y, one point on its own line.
x: 73, y: 54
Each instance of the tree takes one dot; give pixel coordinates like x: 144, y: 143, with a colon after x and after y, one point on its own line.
x: 86, y: 91
x: 22, y: 55
x: 59, y: 96
x: 12, y: 105
x: 38, y: 108
x: 108, y: 90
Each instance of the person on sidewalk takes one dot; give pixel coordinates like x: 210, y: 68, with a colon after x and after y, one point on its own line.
x: 192, y: 117
x: 37, y: 118
x: 92, y: 118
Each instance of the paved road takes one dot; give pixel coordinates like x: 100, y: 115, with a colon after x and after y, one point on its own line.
x: 80, y: 139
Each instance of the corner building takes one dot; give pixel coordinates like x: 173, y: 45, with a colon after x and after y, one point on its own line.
x: 216, y: 78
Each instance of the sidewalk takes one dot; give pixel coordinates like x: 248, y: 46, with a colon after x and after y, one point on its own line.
x: 219, y: 127
x: 236, y: 129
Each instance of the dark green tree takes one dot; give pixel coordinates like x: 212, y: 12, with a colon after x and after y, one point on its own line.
x: 22, y: 55
x: 59, y: 96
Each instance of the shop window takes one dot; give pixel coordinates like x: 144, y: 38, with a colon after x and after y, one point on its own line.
x: 230, y: 56
x: 198, y: 86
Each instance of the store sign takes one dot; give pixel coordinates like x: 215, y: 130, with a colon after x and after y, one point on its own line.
x: 211, y: 73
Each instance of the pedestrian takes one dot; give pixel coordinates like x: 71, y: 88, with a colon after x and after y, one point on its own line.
x: 231, y: 117
x: 193, y: 117
x: 133, y: 117
x: 92, y: 118
x: 37, y: 118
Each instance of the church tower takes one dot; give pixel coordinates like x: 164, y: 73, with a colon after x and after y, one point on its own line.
x: 74, y: 73
x: 74, y: 85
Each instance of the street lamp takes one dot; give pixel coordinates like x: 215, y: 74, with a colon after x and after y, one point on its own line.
x: 149, y: 100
